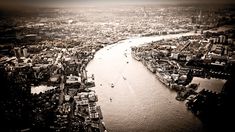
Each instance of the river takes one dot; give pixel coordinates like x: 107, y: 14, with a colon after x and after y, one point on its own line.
x: 138, y: 102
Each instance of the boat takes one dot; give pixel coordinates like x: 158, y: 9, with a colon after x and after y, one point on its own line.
x: 112, y: 85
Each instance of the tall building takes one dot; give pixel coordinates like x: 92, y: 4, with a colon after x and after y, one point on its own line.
x: 25, y: 52
x: 17, y: 52
x: 222, y: 39
x: 199, y: 20
x: 193, y: 20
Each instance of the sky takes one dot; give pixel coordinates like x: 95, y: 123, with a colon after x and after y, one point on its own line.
x: 79, y: 2
x: 137, y: 1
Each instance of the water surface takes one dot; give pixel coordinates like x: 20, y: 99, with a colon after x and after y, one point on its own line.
x: 138, y: 102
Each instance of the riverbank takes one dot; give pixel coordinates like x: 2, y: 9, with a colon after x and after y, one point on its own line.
x: 179, y: 62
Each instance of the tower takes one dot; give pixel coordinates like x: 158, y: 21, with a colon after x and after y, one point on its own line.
x: 25, y: 53
x: 200, y: 17
x: 17, y: 52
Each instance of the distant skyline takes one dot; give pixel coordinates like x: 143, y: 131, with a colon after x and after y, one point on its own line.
x: 142, y: 1
x: 135, y: 1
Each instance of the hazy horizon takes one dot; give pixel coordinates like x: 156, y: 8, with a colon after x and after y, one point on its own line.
x: 68, y: 3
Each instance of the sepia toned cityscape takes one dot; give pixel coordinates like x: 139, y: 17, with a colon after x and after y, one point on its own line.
x: 117, y: 65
